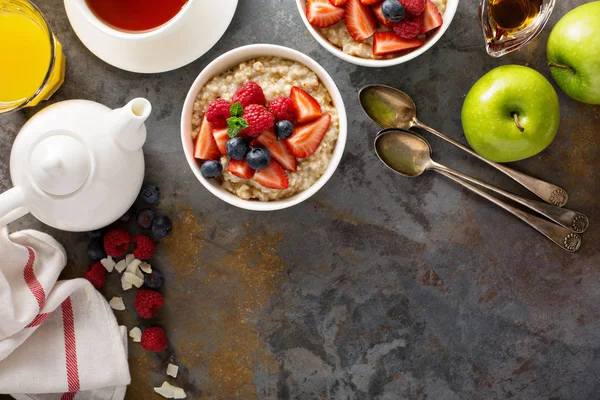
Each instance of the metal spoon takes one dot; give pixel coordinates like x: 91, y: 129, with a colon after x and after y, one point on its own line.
x: 410, y: 155
x: 391, y: 108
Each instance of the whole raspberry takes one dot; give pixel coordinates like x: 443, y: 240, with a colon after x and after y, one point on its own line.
x: 409, y: 28
x: 250, y: 93
x: 116, y: 242
x: 218, y: 112
x: 144, y: 247
x: 96, y: 274
x: 148, y: 302
x: 259, y: 120
x: 154, y: 339
x: 414, y: 7
x: 283, y: 109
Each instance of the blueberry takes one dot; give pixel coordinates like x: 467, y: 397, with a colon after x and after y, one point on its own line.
x: 97, y: 234
x: 237, y: 148
x: 96, y: 250
x: 150, y: 194
x: 284, y: 129
x: 127, y: 216
x: 258, y: 158
x: 393, y: 11
x: 161, y: 227
x: 154, y: 280
x: 211, y: 169
x: 145, y: 218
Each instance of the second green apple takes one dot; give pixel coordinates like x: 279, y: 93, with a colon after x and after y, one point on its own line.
x: 511, y: 113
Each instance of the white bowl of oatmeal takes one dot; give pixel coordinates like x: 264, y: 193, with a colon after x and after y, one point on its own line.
x: 337, y: 40
x: 276, y: 69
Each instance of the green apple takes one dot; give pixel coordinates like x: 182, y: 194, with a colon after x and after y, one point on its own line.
x: 574, y: 53
x: 511, y: 113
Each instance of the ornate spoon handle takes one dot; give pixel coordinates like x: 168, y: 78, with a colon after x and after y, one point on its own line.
x: 548, y: 192
x: 563, y: 237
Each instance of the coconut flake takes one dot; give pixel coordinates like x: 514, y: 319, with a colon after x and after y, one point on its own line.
x: 116, y: 303
x: 147, y: 268
x: 169, y: 391
x: 108, y: 263
x: 136, y: 334
x: 172, y: 370
x: 129, y: 258
x: 134, y: 268
x: 121, y: 265
x: 132, y: 279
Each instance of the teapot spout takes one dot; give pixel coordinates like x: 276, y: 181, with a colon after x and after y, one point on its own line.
x: 126, y: 124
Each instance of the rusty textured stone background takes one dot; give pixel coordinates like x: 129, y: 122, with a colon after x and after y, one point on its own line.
x: 378, y: 287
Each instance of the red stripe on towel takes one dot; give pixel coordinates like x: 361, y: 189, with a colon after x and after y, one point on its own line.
x: 38, y: 320
x: 70, y: 348
x: 34, y: 285
x: 68, y: 396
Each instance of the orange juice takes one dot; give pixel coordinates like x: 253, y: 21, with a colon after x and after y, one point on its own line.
x: 31, y: 59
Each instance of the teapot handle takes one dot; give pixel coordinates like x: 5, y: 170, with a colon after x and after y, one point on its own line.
x: 12, y: 206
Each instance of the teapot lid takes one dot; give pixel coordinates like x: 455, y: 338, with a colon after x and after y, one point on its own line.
x: 59, y: 164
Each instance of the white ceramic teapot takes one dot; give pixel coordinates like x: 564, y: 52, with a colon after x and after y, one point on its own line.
x: 77, y: 165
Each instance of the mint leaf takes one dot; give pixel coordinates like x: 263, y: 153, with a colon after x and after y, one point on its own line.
x: 235, y: 125
x: 236, y: 110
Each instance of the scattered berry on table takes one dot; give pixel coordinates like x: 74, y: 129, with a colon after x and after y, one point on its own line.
x: 96, y: 274
x: 250, y: 93
x: 237, y: 148
x: 97, y: 234
x: 259, y: 120
x: 125, y: 218
x: 409, y: 28
x: 144, y: 247
x: 96, y: 250
x: 284, y: 129
x: 117, y: 242
x: 147, y: 303
x: 218, y: 112
x: 150, y: 194
x: 414, y: 7
x: 162, y: 226
x: 283, y: 109
x: 154, y: 339
x: 393, y: 10
x: 154, y: 280
x: 258, y: 158
x: 145, y: 217
x: 211, y: 169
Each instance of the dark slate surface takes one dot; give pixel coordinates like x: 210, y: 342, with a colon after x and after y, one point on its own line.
x: 379, y: 287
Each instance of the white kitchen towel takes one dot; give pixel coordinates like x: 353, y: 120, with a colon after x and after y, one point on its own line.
x: 58, y: 339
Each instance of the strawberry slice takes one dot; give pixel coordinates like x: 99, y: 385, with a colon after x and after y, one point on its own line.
x: 321, y: 13
x: 279, y: 151
x: 306, y: 107
x: 338, y: 3
x: 388, y: 43
x: 305, y: 139
x: 431, y: 18
x: 360, y: 20
x: 221, y: 137
x: 240, y: 168
x: 272, y: 177
x: 205, y: 147
x: 369, y: 2
x: 378, y: 11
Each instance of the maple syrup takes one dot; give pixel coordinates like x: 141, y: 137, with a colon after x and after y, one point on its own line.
x: 513, y: 15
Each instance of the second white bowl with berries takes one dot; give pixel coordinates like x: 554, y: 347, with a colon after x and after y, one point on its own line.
x: 263, y: 127
x: 377, y: 33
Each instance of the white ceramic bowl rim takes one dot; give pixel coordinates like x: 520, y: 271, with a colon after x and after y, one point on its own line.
x: 230, y: 60
x: 448, y: 16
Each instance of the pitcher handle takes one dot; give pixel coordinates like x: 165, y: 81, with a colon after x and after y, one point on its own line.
x: 12, y: 206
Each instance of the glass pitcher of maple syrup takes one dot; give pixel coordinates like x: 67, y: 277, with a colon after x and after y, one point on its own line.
x: 510, y: 24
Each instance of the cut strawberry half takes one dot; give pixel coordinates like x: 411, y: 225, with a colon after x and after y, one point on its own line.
x: 305, y: 139
x: 205, y: 147
x: 240, y: 168
x: 321, y: 13
x: 360, y: 20
x: 388, y: 43
x: 338, y: 3
x: 306, y: 107
x: 278, y: 149
x: 378, y: 11
x: 272, y: 177
x: 369, y: 2
x: 221, y: 137
x: 431, y: 18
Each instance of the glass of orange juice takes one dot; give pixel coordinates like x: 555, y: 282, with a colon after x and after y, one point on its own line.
x: 32, y: 64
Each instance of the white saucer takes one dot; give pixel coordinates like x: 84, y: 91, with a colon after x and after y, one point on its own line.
x: 203, y: 24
